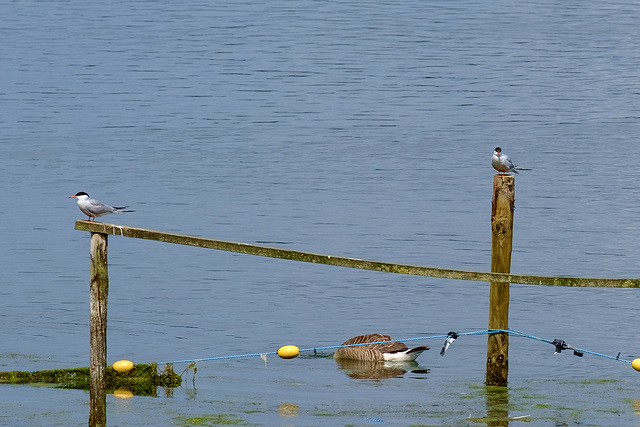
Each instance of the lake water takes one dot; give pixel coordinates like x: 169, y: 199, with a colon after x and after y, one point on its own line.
x: 352, y: 128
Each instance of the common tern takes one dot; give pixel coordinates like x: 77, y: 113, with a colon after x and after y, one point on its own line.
x: 502, y: 163
x: 93, y: 208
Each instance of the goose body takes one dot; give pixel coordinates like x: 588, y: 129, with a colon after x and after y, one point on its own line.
x: 384, y: 351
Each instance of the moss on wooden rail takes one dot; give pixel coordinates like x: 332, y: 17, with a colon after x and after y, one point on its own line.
x: 266, y: 251
x: 142, y: 380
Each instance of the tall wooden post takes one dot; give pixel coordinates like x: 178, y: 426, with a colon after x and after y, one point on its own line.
x: 98, y: 330
x: 501, y: 243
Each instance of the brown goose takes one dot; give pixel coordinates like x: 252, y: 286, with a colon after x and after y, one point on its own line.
x: 392, y: 351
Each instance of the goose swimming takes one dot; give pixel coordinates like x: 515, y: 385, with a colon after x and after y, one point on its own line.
x: 383, y: 351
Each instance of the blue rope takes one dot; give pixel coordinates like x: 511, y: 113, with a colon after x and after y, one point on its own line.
x: 525, y: 335
x: 332, y: 347
x: 479, y: 332
x: 236, y: 356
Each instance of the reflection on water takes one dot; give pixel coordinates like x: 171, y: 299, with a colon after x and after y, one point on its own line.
x: 123, y: 393
x: 497, y: 406
x: 363, y: 369
x: 288, y: 410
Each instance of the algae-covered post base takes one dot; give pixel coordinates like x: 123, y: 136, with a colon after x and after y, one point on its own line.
x: 98, y: 296
x: 141, y: 380
x: 501, y: 244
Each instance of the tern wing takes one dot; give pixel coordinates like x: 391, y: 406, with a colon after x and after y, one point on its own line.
x: 509, y: 162
x: 97, y: 208
x: 506, y: 160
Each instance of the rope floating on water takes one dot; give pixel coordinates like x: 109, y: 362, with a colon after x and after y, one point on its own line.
x: 449, y: 339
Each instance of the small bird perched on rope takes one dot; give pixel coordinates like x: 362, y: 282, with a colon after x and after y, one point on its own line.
x: 380, y: 351
x: 502, y: 163
x: 93, y: 208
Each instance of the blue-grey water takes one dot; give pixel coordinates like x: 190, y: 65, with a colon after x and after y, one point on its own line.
x: 353, y: 128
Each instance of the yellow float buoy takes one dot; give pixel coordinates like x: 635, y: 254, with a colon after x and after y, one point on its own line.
x: 636, y: 364
x: 123, y: 365
x: 288, y: 351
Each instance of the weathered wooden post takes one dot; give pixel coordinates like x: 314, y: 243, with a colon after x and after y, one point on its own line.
x: 501, y: 243
x: 98, y: 330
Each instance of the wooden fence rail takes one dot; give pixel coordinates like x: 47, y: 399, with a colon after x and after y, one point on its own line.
x: 266, y: 251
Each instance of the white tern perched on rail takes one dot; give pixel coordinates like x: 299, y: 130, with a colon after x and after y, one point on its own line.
x: 93, y: 208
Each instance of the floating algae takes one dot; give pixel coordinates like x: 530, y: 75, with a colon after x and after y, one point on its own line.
x: 142, y: 380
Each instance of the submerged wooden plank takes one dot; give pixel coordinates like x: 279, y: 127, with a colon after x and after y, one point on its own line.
x: 266, y: 251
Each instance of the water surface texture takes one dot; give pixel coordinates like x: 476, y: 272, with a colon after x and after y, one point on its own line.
x: 353, y: 128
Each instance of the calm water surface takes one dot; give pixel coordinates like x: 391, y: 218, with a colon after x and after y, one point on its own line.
x: 351, y: 128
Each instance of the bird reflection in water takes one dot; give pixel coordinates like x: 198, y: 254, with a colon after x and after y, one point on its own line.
x: 378, y: 360
x: 375, y: 370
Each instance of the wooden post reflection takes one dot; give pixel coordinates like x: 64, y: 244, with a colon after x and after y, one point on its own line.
x: 497, y: 406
